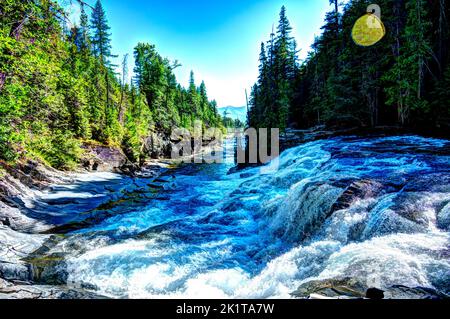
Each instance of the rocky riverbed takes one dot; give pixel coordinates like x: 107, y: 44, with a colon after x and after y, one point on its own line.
x: 35, y: 200
x: 343, y: 217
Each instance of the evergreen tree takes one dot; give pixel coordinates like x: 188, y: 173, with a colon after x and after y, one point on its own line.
x: 204, y: 103
x: 58, y: 90
x: 193, y: 98
x: 285, y: 46
x: 101, y: 39
x: 272, y: 96
x: 84, y: 41
x: 340, y: 83
x: 150, y: 71
x: 101, y: 46
x: 409, y: 68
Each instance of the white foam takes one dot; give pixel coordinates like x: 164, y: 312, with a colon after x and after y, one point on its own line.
x: 277, y: 208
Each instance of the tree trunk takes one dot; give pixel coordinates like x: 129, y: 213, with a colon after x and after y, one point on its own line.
x: 122, y: 89
x: 107, y: 98
x: 442, y: 35
x: 396, y: 51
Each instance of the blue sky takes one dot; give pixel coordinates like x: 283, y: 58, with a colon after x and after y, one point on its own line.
x: 218, y: 39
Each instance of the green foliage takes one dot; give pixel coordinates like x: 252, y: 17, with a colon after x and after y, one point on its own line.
x: 58, y: 89
x: 232, y: 123
x: 400, y: 80
x: 271, y: 97
x: 101, y: 40
x: 56, y: 148
x: 170, y: 104
x: 441, y: 98
x: 408, y: 71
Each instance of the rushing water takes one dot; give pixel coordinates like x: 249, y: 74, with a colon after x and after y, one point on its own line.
x: 375, y: 209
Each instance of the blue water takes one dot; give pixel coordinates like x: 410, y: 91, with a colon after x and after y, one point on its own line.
x: 200, y: 232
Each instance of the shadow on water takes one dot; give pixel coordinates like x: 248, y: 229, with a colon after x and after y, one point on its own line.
x: 131, y: 195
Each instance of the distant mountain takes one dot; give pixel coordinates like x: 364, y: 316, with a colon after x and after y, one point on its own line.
x: 234, y: 112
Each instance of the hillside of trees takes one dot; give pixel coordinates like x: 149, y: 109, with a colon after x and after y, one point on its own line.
x: 59, y: 88
x: 404, y: 80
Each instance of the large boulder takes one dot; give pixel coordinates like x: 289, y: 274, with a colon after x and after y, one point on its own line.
x: 103, y: 158
x: 352, y: 288
x: 158, y: 145
x: 403, y: 292
x: 443, y: 217
x: 349, y: 287
x: 14, y: 247
x: 360, y: 189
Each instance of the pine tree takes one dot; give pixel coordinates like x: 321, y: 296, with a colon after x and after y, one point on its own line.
x: 409, y: 69
x: 101, y: 46
x: 101, y: 39
x: 285, y: 46
x: 441, y: 98
x: 150, y: 74
x: 204, y: 103
x: 261, y: 91
x: 84, y: 41
x: 285, y: 70
x: 193, y: 97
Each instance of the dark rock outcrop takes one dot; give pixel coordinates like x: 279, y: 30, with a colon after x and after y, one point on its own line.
x: 9, y: 290
x: 403, y: 292
x: 332, y: 288
x: 35, y: 199
x: 374, y: 293
x: 104, y: 158
x: 360, y: 189
x: 352, y: 288
x: 443, y: 217
x: 158, y: 145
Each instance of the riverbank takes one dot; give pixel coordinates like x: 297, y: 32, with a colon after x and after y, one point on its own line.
x: 340, y: 217
x: 35, y: 200
x: 39, y: 204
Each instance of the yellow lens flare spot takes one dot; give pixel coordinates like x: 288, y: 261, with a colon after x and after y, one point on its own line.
x: 368, y: 30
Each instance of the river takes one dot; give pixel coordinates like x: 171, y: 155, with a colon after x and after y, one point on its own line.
x: 375, y: 209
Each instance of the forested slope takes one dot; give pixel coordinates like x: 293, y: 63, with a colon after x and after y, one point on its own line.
x: 59, y: 88
x: 403, y: 80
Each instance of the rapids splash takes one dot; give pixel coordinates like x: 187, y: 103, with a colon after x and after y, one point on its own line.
x: 373, y: 209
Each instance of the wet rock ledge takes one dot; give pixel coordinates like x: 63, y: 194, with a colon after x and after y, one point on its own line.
x: 35, y: 200
x: 351, y: 288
